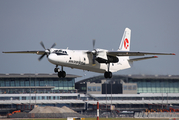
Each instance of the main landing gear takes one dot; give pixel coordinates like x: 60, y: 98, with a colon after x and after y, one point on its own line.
x: 61, y: 74
x: 108, y: 74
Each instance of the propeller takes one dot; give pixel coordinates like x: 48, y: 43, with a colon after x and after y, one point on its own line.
x: 94, y: 41
x: 94, y: 52
x: 47, y: 51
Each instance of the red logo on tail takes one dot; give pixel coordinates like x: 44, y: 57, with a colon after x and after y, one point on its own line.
x: 126, y: 43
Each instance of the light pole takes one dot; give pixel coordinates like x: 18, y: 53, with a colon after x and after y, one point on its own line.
x: 106, y: 94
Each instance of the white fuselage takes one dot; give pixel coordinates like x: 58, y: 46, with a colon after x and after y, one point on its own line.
x: 97, y: 60
x: 79, y: 59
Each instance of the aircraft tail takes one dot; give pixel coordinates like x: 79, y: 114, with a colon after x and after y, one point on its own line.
x: 125, y: 42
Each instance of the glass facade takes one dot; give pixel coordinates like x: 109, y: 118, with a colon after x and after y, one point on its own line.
x: 36, y: 85
x: 94, y: 88
x: 156, y: 85
x: 145, y: 83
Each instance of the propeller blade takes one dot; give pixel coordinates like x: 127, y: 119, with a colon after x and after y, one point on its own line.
x: 94, y: 52
x: 42, y: 45
x: 94, y: 58
x: 53, y: 45
x: 94, y: 43
x: 42, y: 56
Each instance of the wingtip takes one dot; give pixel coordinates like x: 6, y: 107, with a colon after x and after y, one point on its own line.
x: 173, y: 54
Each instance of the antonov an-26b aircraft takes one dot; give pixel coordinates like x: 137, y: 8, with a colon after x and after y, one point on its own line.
x: 97, y: 60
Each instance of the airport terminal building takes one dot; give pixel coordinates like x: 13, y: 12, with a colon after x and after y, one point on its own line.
x: 36, y: 83
x: 124, y: 92
x: 130, y: 83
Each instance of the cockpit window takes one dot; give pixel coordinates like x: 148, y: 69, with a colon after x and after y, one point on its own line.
x: 57, y: 51
x: 60, y: 52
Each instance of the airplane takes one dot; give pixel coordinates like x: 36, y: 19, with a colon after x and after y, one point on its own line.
x: 96, y: 60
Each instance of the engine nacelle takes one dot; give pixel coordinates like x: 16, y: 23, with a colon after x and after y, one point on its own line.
x: 113, y: 59
x: 110, y: 59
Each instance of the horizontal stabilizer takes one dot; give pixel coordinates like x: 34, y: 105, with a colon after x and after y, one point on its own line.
x: 143, y: 58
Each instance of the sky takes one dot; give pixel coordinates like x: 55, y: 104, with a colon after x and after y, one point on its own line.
x: 75, y: 23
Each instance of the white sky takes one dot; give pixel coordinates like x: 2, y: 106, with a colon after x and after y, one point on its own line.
x: 73, y: 24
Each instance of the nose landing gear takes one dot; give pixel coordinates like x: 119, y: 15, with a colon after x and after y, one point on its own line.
x: 61, y: 74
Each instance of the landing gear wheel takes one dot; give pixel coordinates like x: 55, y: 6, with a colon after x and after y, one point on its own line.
x: 62, y: 74
x: 105, y: 74
x: 56, y: 70
x: 108, y: 74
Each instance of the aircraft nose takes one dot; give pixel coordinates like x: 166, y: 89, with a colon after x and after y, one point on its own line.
x: 52, y: 58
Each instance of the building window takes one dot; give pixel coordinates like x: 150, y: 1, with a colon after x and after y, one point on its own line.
x: 50, y: 82
x: 58, y: 97
x: 43, y: 97
x: 134, y: 87
x: 54, y: 98
x: 27, y: 83
x: 36, y: 82
x: 2, y: 83
x: 125, y: 87
x: 56, y: 83
x: 89, y: 88
x: 12, y: 83
x: 7, y: 83
x: 23, y: 98
x: 48, y: 97
x: 33, y: 98
x: 94, y: 88
x: 98, y: 88
x: 32, y: 82
x: 83, y: 88
x: 21, y: 83
x: 129, y: 87
x: 42, y: 83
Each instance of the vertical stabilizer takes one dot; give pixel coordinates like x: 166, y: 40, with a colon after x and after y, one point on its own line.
x: 125, y: 42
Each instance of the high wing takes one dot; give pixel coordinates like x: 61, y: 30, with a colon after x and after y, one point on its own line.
x: 39, y: 52
x: 128, y: 53
x: 32, y: 52
x: 142, y: 58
